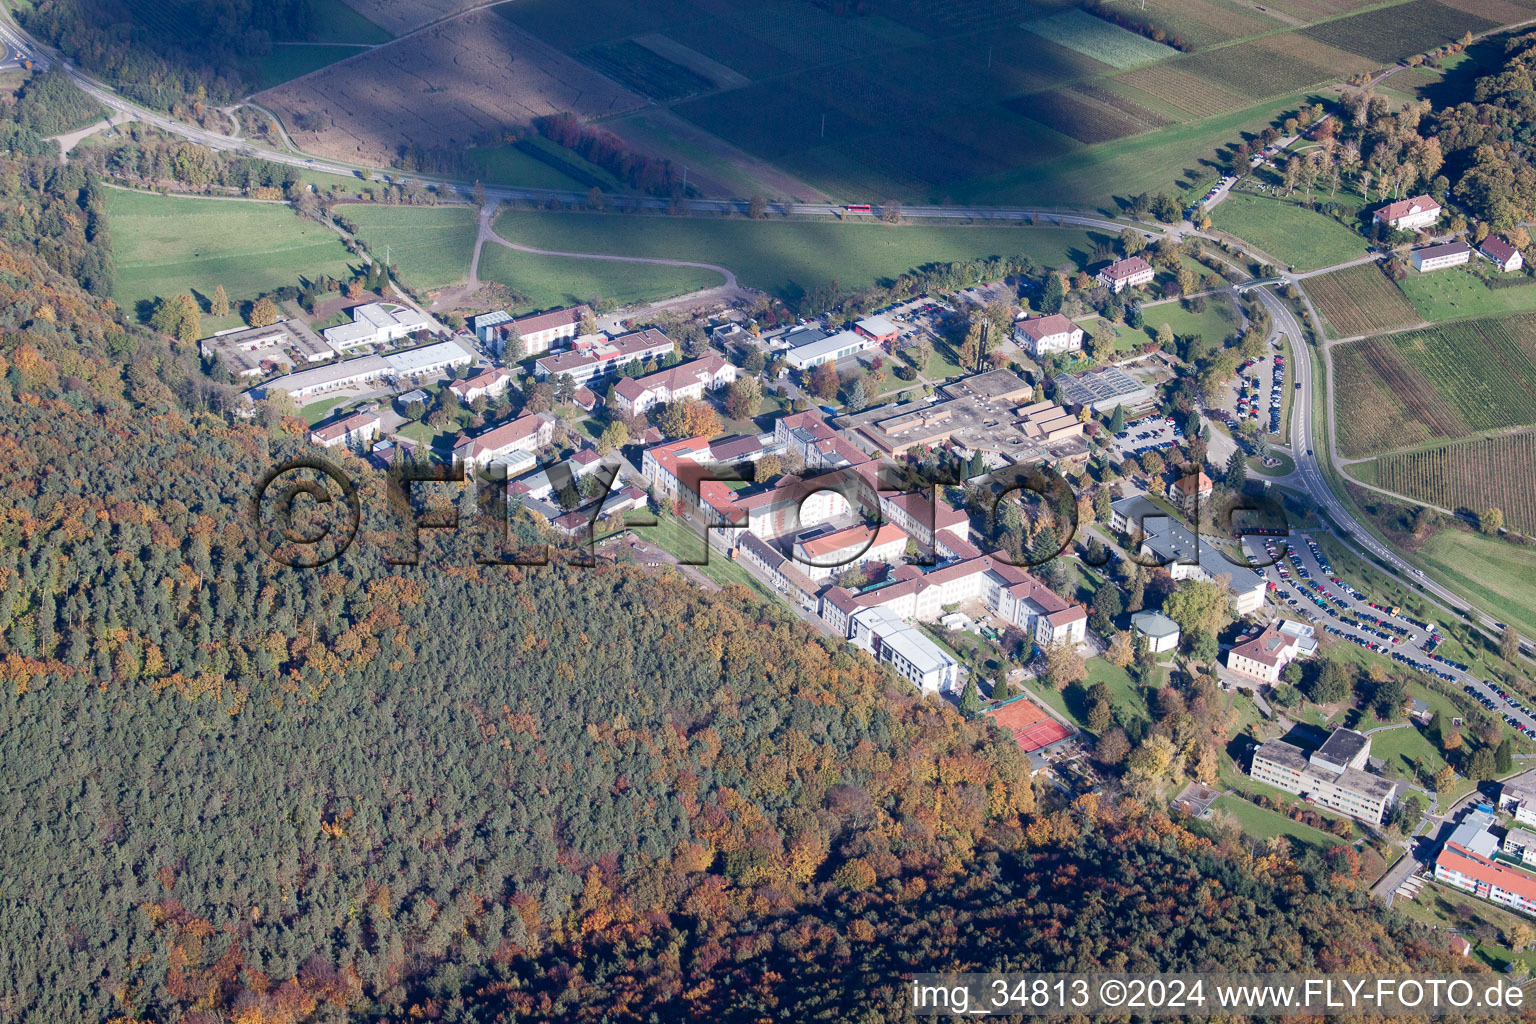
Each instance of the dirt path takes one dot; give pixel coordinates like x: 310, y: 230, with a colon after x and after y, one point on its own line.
x: 70, y: 140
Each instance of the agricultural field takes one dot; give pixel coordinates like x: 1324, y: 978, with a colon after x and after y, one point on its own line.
x: 428, y: 246
x: 644, y: 71
x: 335, y: 21
x: 786, y: 258
x: 1457, y: 292
x: 1090, y: 118
x: 447, y: 86
x: 401, y: 16
x: 1440, y: 383
x: 562, y: 281
x: 1389, y: 34
x: 1490, y: 472
x: 1189, y: 92
x: 1094, y: 37
x: 288, y: 61
x: 168, y: 246
x: 1272, y: 66
x: 1297, y: 236
x: 1359, y: 300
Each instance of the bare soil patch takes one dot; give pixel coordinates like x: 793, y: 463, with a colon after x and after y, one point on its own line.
x: 446, y: 86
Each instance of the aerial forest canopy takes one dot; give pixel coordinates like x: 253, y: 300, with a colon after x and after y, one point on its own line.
x: 167, y: 52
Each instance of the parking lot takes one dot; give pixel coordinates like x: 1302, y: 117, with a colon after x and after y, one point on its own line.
x: 1151, y: 433
x: 1299, y: 577
x: 1257, y: 394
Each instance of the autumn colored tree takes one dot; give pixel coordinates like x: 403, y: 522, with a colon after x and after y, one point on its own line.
x: 264, y: 313
x: 219, y: 304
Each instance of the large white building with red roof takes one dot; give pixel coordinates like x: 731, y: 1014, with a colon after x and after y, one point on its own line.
x: 1046, y: 335
x: 350, y: 431
x: 1005, y: 589
x: 835, y: 551
x: 526, y: 433
x: 1408, y: 214
x: 589, y: 359
x: 492, y: 383
x: 1131, y: 272
x: 636, y: 396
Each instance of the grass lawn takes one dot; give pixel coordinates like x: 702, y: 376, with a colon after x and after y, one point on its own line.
x: 1501, y: 576
x: 288, y: 61
x: 1214, y: 325
x: 429, y: 246
x: 1457, y: 292
x: 1125, y: 696
x: 1286, y: 231
x: 509, y: 165
x: 1286, y: 467
x: 786, y: 257
x: 1441, y: 906
x: 1400, y: 747
x: 684, y: 543
x: 166, y: 246
x: 562, y: 280
x: 1261, y: 823
x: 317, y: 411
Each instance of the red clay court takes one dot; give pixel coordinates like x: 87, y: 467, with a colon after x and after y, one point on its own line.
x: 1031, y: 726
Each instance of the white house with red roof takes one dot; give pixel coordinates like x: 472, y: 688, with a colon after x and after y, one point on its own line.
x: 350, y: 431
x: 1505, y: 256
x: 1265, y: 655
x: 528, y: 432
x: 1191, y: 492
x: 1408, y: 214
x: 637, y: 396
x: 599, y: 356
x: 492, y: 383
x: 925, y: 519
x: 1131, y: 272
x: 835, y: 551
x: 1045, y: 335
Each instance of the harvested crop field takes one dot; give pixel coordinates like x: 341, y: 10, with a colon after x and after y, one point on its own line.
x: 1359, y: 300
x: 1490, y: 472
x: 1086, y: 118
x: 1392, y: 33
x: 1189, y: 92
x: 446, y: 86
x: 401, y: 16
x: 1273, y: 66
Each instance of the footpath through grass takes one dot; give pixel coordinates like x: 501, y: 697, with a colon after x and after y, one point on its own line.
x: 790, y: 257
x: 167, y: 246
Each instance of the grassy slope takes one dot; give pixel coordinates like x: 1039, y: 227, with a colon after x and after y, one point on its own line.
x: 430, y: 245
x: 1501, y: 575
x: 165, y: 246
x: 1302, y: 238
x: 561, y: 281
x: 1262, y: 823
x: 785, y: 257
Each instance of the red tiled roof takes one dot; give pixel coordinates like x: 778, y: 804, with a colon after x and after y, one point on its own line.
x: 480, y: 380
x: 1496, y: 248
x: 854, y: 536
x: 343, y: 427
x: 1038, y: 327
x: 554, y: 318
x: 1405, y: 207
x: 520, y: 429
x: 1129, y: 267
x: 1195, y: 482
x: 1484, y: 870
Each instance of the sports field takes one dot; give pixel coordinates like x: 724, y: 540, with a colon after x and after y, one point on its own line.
x: 429, y: 246
x: 786, y: 258
x: 1288, y: 232
x: 166, y: 246
x: 563, y: 281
